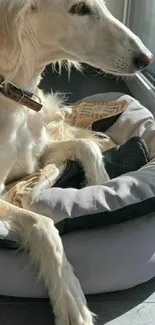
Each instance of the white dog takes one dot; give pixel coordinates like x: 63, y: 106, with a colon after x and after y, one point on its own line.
x: 34, y: 33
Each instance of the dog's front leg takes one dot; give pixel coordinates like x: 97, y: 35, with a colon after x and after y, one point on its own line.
x: 86, y: 151
x: 44, y: 245
x: 7, y: 157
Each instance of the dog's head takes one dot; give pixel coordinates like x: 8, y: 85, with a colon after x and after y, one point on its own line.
x: 38, y: 32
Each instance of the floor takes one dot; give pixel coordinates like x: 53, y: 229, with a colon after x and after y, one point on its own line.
x: 135, y: 306
x: 131, y: 307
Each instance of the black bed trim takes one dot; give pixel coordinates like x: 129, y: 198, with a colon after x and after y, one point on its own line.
x: 102, y: 219
x: 97, y: 220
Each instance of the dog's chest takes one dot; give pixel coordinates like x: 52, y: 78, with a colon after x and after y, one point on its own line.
x: 28, y: 145
x: 24, y: 161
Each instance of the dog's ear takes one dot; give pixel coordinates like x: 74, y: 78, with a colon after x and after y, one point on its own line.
x: 12, y: 13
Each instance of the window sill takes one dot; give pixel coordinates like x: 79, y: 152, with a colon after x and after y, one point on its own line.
x: 143, y: 91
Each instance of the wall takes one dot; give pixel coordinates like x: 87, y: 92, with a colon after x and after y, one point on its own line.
x: 116, y: 7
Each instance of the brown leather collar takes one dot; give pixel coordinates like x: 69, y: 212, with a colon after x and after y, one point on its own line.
x: 16, y: 94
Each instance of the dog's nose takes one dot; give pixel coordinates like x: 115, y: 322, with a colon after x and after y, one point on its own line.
x: 141, y: 61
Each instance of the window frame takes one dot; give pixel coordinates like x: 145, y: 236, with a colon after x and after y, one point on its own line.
x: 140, y: 87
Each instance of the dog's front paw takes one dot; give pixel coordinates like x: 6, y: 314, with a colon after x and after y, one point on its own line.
x: 74, y: 315
x: 98, y: 175
x: 93, y: 164
x: 71, y: 308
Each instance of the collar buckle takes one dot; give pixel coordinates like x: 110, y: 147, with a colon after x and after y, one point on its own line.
x: 12, y: 91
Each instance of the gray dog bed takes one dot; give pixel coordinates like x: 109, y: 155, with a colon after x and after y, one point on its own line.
x: 120, y: 252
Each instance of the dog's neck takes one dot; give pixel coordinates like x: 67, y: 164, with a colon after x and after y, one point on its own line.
x: 26, y: 82
x: 21, y: 89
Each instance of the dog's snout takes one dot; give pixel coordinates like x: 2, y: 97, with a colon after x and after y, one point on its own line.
x: 141, y: 61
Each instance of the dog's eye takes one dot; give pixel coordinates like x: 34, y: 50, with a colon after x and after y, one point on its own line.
x: 80, y: 9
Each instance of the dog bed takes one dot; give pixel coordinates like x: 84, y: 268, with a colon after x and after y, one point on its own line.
x: 120, y: 252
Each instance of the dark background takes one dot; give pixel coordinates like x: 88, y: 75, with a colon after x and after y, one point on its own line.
x: 81, y: 84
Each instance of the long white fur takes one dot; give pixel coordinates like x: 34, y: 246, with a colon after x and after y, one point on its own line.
x: 34, y: 33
